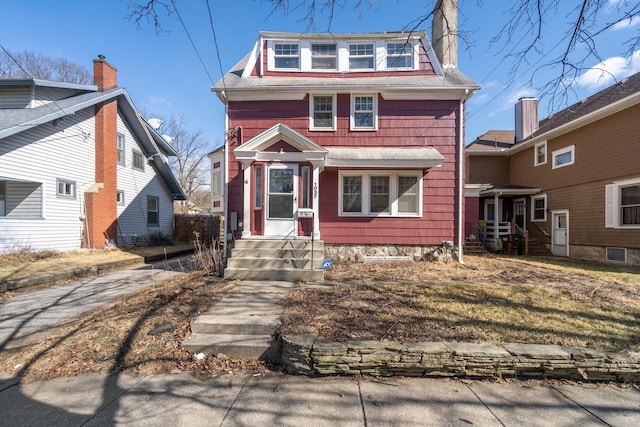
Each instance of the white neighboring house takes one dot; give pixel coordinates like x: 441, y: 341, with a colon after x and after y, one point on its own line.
x: 79, y: 166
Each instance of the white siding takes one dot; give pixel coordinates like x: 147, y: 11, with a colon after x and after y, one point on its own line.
x: 15, y: 97
x: 45, y: 95
x: 40, y: 156
x: 137, y: 185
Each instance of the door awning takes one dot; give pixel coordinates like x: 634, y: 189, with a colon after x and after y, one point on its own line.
x: 510, y: 191
x: 383, y: 157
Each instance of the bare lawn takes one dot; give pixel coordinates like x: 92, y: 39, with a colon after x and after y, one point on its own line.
x: 487, y: 300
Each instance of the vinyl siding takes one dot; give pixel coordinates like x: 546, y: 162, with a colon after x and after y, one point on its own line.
x: 40, y: 156
x: 137, y: 185
x: 15, y: 97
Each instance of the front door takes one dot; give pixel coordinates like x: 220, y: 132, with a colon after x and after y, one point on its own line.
x: 560, y: 233
x: 281, y: 200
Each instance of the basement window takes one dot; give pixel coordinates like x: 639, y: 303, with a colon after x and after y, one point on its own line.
x: 617, y: 254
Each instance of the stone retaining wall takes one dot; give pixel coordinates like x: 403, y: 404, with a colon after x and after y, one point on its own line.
x: 310, y: 355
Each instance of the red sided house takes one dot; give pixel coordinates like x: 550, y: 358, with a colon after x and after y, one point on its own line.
x: 354, y: 141
x: 568, y: 185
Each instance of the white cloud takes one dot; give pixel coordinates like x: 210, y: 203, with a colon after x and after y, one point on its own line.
x: 609, y: 71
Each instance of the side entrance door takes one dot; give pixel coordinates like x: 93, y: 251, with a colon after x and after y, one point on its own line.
x: 560, y: 233
x: 520, y: 212
x: 281, y: 200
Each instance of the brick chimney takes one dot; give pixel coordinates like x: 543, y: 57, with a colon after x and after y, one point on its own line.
x: 444, y: 32
x: 526, y: 118
x: 101, y: 197
x: 105, y: 75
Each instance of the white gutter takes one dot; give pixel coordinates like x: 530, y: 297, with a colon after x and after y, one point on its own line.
x: 460, y: 178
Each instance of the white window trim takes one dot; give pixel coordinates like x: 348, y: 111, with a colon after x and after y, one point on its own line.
x: 414, y: 55
x: 133, y: 162
x: 353, y: 111
x: 66, y: 182
x: 373, y: 56
x: 271, y: 55
x: 334, y: 98
x: 258, y: 197
x: 336, y: 56
x: 535, y: 154
x: 120, y: 194
x: 533, y: 207
x: 122, y: 149
x: 613, y: 202
x: 393, y: 193
x: 570, y: 149
x: 606, y: 255
x: 157, y: 211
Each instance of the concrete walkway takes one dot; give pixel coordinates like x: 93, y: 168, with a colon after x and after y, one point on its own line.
x: 279, y: 400
x: 37, y: 310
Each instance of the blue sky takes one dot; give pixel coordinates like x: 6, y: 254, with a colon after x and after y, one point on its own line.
x: 164, y: 75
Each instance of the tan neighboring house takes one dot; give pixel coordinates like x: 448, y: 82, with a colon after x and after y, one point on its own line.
x: 568, y: 185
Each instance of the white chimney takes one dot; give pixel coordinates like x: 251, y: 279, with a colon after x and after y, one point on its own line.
x: 444, y: 32
x: 526, y: 118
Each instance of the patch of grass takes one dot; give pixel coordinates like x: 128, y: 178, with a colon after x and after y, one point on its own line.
x: 489, y: 300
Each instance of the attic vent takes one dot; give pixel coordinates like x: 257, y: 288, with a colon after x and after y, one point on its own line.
x: 617, y: 254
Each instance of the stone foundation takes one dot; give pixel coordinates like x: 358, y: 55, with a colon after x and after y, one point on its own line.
x: 310, y: 355
x: 357, y: 253
x: 599, y: 254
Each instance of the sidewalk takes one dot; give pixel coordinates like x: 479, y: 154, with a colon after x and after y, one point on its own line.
x: 280, y: 400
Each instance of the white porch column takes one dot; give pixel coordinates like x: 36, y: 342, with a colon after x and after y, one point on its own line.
x: 246, y: 202
x: 496, y: 219
x: 315, y: 197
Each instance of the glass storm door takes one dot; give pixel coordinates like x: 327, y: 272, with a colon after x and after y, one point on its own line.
x: 281, y: 201
x: 520, y: 209
x: 560, y: 233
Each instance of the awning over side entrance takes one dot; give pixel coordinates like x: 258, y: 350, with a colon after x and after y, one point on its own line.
x: 382, y: 157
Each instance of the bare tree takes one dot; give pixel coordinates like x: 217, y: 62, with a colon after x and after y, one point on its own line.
x: 190, y: 165
x: 33, y: 65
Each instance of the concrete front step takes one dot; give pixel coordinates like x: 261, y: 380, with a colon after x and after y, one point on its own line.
x: 256, y: 347
x: 236, y: 324
x: 298, y: 263
x: 318, y: 254
x: 278, y: 244
x: 284, y: 274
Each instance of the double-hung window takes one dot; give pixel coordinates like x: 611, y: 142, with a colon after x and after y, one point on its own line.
x: 286, y: 56
x: 563, y: 157
x: 120, y: 147
x: 380, y: 194
x: 323, y: 56
x: 399, y: 55
x: 138, y: 160
x: 65, y: 188
x: 539, y: 207
x: 153, y: 211
x: 361, y: 56
x: 540, y: 154
x: 363, y: 112
x: 323, y: 112
x: 622, y: 204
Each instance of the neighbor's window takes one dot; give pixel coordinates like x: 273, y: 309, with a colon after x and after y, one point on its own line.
x: 630, y: 205
x: 258, y: 197
x: 286, y: 55
x: 399, y: 55
x: 539, y: 207
x: 323, y: 57
x: 153, y: 207
x: 3, y: 198
x: 120, y: 197
x: 120, y: 145
x: 373, y: 194
x: 323, y: 111
x: 361, y: 56
x: 540, y: 154
x: 138, y: 160
x: 65, y: 188
x: 363, y: 112
x: 564, y: 157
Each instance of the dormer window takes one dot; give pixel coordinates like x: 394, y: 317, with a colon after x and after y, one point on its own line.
x: 361, y: 56
x: 399, y: 55
x: 287, y: 55
x: 323, y: 56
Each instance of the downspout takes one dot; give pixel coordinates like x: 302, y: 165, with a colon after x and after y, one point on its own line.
x: 460, y: 179
x: 225, y: 196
